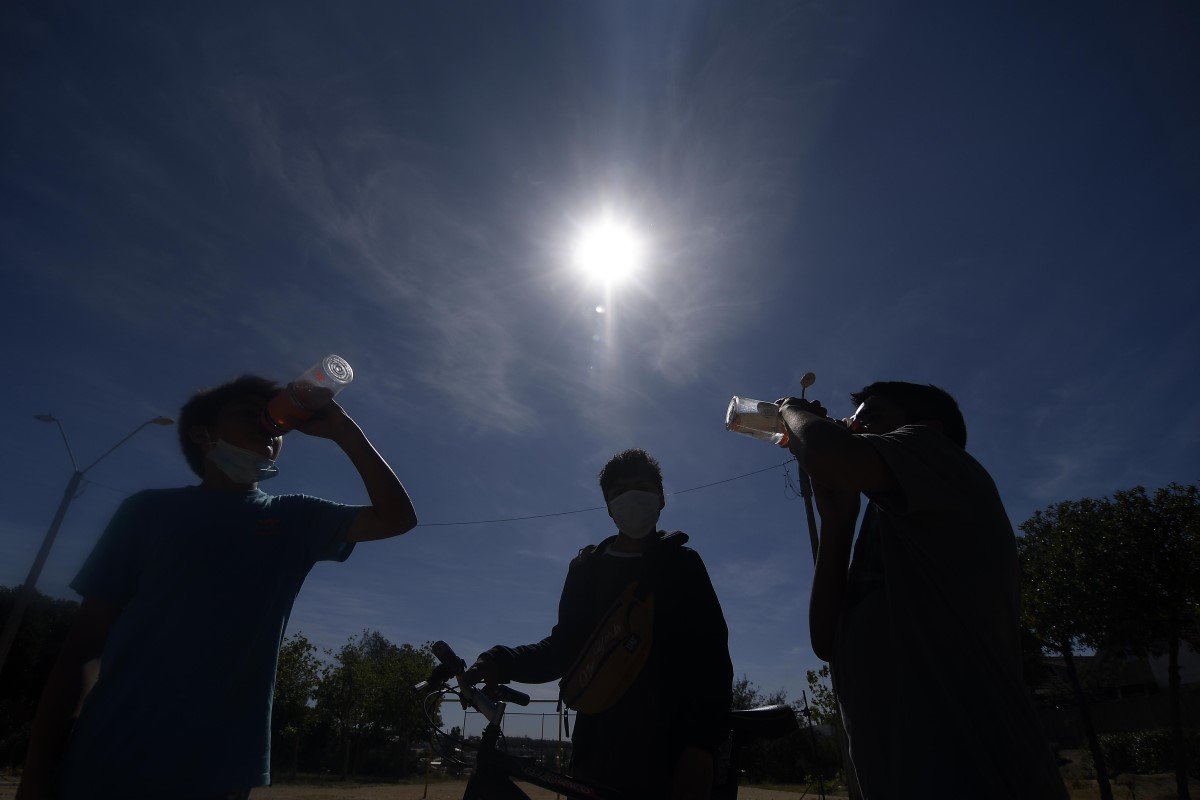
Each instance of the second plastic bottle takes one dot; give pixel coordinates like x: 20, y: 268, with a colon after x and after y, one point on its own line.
x: 757, y: 419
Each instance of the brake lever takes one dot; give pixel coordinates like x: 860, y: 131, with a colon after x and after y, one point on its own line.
x: 508, y: 695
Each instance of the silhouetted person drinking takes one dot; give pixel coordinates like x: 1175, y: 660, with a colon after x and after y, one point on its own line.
x: 186, y: 598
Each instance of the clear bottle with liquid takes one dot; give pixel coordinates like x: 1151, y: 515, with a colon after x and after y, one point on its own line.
x: 307, y: 394
x: 757, y: 419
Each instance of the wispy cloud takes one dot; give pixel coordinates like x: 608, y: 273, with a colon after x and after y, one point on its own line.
x: 755, y: 578
x: 378, y: 212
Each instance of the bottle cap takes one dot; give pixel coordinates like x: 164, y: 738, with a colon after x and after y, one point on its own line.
x: 337, y: 369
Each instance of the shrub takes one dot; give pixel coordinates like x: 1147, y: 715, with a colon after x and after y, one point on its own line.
x: 1146, y: 752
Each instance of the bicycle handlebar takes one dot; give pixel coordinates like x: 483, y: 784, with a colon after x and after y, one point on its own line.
x: 488, y: 701
x: 448, y: 658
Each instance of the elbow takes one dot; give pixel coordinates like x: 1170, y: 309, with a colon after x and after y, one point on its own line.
x: 399, y: 519
x: 375, y: 526
x: 822, y: 645
x: 400, y: 526
x: 819, y: 450
x: 821, y: 635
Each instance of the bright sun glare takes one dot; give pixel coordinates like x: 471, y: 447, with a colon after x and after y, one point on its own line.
x: 609, y: 251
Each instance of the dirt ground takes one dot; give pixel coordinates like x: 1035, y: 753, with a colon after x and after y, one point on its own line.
x: 438, y: 791
x: 1141, y: 787
x: 390, y: 791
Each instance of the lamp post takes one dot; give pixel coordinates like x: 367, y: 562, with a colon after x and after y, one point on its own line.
x: 25, y: 592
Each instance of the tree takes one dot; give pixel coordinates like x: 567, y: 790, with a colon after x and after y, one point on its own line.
x: 34, y: 651
x: 762, y: 760
x: 296, y: 680
x: 822, y: 703
x: 820, y: 707
x: 746, y: 694
x: 1121, y: 575
x: 365, y: 698
x: 1063, y: 554
x: 1153, y: 599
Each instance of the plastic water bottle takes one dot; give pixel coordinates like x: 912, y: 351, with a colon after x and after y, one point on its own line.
x: 306, y: 395
x: 757, y: 419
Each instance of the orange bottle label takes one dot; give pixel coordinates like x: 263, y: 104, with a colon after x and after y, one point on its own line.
x: 283, y: 413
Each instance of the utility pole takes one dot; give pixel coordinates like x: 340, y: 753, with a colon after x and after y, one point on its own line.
x: 807, y: 493
x: 813, y: 734
x: 26, y: 591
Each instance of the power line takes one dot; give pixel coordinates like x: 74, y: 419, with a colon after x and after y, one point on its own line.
x: 734, y: 478
x: 597, y: 508
x: 89, y: 481
x: 536, y: 516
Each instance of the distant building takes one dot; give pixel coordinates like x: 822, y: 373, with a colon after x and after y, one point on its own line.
x: 1125, y: 693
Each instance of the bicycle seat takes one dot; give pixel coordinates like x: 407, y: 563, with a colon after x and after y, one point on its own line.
x: 767, y: 722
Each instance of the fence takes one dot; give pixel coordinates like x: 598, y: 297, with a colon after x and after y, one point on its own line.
x: 553, y: 753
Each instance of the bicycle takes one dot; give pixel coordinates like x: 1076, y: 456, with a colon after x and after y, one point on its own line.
x: 495, y: 771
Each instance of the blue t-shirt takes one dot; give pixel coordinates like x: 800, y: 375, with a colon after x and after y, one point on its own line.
x: 205, y: 581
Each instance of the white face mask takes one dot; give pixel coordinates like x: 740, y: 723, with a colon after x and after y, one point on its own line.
x: 240, y: 465
x: 635, y: 512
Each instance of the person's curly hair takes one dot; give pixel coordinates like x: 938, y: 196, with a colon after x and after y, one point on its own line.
x: 626, y: 462
x: 205, y: 405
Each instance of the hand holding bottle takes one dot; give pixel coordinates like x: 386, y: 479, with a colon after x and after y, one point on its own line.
x: 330, y: 422
x: 301, y: 399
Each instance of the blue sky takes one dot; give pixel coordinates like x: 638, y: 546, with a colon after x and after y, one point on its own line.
x: 998, y: 198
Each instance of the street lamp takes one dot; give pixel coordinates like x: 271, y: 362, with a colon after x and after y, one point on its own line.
x: 25, y: 592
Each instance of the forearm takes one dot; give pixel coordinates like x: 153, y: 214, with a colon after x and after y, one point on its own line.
x: 705, y: 668
x: 550, y: 658
x: 52, y: 724
x: 705, y: 685
x: 816, y: 442
x: 389, y: 499
x: 829, y: 585
x: 541, y: 662
x: 831, y: 454
x: 64, y: 692
x: 693, y: 775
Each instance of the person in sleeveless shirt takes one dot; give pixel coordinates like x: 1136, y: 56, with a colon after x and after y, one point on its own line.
x: 921, y: 628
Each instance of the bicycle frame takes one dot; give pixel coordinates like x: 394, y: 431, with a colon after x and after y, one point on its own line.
x: 495, y: 772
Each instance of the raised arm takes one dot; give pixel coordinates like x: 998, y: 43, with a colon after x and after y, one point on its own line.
x: 829, y: 582
x: 62, y: 697
x: 830, y: 453
x: 841, y: 465
x: 391, y: 512
x: 705, y: 682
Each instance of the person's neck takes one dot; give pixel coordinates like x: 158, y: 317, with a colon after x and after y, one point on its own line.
x: 217, y: 481
x: 627, y: 544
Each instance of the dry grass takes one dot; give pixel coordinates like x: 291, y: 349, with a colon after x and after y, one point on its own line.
x: 437, y: 791
x: 1126, y: 787
x: 451, y: 790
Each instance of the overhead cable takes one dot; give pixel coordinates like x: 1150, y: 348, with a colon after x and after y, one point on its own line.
x: 535, y: 516
x: 596, y: 508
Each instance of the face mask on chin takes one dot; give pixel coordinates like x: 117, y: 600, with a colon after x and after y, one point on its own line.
x: 241, y: 466
x: 635, y: 512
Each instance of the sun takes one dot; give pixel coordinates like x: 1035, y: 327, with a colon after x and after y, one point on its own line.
x: 609, y: 251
